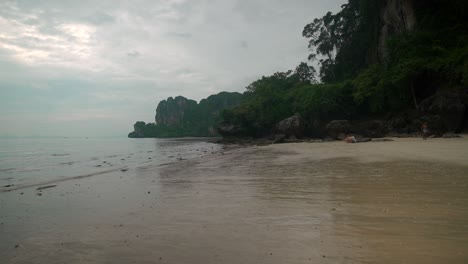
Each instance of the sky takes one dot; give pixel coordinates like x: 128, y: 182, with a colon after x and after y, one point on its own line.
x: 95, y: 67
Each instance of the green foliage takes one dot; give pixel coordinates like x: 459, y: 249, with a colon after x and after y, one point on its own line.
x: 265, y: 103
x: 324, y: 101
x: 342, y: 42
x: 276, y: 97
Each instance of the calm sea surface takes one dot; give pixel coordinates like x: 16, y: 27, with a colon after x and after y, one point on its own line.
x: 31, y: 160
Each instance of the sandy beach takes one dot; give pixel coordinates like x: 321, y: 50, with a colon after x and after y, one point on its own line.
x: 404, y: 201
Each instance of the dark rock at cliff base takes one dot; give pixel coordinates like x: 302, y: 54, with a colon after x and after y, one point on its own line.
x: 449, y: 106
x: 293, y: 139
x: 279, y: 138
x: 291, y: 127
x: 337, y: 128
x: 401, y: 125
x: 372, y: 128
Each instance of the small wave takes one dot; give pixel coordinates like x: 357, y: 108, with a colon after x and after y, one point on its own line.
x: 67, y: 163
x: 7, y: 179
x: 9, y: 169
x: 12, y: 187
x: 60, y: 155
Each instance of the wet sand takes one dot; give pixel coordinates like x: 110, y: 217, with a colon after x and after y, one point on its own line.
x: 389, y: 202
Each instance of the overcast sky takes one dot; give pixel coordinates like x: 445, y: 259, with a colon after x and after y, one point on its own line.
x: 93, y: 68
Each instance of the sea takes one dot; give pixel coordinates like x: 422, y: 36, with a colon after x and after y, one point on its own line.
x: 30, y: 161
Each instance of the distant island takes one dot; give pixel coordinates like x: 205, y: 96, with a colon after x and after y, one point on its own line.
x: 385, y: 68
x: 182, y: 117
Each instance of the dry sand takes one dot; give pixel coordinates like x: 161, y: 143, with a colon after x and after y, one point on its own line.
x: 391, y: 202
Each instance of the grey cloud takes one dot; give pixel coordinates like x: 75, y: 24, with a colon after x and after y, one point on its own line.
x: 99, y: 18
x: 133, y: 54
x: 180, y: 34
x: 244, y: 44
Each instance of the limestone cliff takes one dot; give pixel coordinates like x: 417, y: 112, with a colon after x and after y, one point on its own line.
x: 397, y: 17
x: 171, y: 112
x: 182, y: 117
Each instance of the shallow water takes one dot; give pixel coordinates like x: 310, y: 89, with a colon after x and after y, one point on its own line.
x: 30, y: 161
x: 247, y: 206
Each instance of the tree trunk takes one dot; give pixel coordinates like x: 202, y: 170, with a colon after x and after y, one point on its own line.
x: 413, y: 93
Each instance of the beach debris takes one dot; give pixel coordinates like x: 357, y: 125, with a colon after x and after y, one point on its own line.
x: 22, y: 193
x: 8, y: 185
x: 149, y: 192
x: 45, y: 187
x: 124, y: 170
x: 39, y: 194
x: 98, y: 165
x: 17, y: 246
x: 149, y: 158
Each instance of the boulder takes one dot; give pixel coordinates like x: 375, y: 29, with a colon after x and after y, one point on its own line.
x: 449, y: 106
x: 291, y: 127
x: 400, y: 125
x: 337, y: 128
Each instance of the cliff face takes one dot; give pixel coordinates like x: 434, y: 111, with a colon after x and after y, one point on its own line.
x: 397, y: 17
x: 171, y: 112
x: 182, y: 117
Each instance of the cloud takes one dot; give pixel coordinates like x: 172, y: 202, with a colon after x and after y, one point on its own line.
x: 123, y: 57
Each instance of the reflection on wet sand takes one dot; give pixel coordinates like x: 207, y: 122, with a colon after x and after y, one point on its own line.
x: 254, y: 205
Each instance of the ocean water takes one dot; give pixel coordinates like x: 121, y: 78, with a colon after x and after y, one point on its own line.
x: 29, y: 161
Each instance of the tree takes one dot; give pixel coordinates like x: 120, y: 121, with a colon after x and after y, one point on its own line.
x: 305, y: 73
x: 343, y: 43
